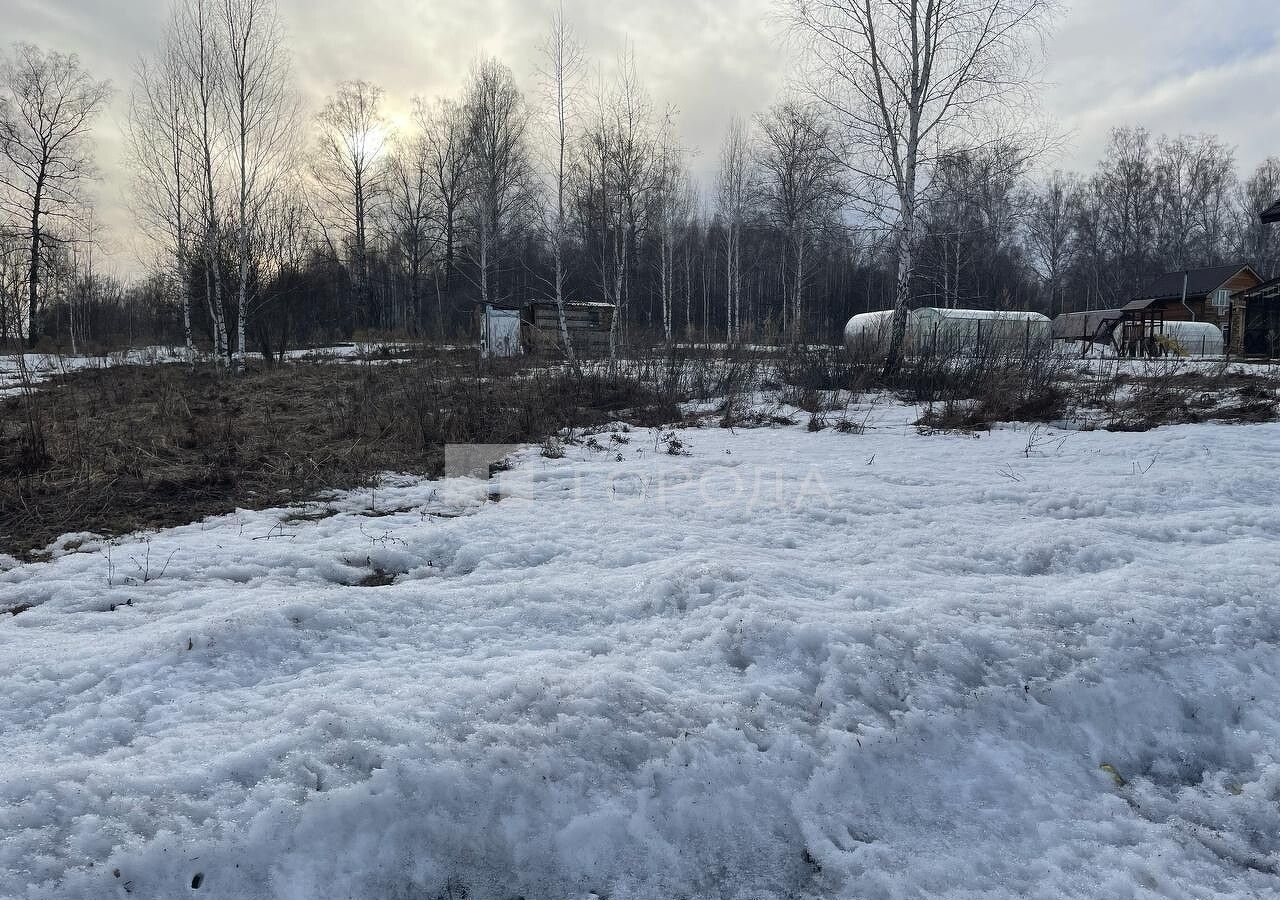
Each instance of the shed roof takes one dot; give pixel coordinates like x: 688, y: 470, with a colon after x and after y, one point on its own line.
x: 525, y: 304
x: 1265, y: 290
x: 1271, y: 215
x: 1200, y: 283
x: 574, y: 304
x: 1076, y: 325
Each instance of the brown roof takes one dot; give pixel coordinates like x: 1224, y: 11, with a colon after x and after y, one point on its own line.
x: 1138, y: 305
x: 1199, y: 283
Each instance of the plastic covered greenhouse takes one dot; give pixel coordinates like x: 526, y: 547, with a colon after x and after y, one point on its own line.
x: 952, y: 331
x: 1191, y: 339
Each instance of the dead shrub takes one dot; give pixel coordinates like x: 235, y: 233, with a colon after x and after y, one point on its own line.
x: 1165, y: 393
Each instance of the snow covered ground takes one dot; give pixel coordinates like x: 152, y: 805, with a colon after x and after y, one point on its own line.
x: 43, y: 366
x: 879, y: 665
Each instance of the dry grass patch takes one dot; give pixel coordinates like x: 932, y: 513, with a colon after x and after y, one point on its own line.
x: 120, y: 449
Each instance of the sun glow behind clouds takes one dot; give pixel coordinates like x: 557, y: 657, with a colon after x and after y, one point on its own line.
x: 1109, y: 64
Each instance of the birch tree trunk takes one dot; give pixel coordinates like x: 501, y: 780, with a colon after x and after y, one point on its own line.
x: 913, y: 82
x: 564, y: 63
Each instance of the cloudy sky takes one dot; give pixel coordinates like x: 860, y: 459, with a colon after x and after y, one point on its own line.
x: 1171, y: 65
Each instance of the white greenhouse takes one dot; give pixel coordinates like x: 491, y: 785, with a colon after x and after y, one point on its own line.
x: 947, y: 331
x: 1191, y: 339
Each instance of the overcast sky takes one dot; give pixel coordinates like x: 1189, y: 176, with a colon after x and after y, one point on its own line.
x: 1171, y: 65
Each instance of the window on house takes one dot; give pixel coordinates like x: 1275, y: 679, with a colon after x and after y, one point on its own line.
x: 1221, y: 299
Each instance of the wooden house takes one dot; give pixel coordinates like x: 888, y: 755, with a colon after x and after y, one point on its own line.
x: 1210, y: 295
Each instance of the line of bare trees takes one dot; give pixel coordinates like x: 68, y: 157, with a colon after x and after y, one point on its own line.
x: 213, y: 120
x: 48, y: 104
x: 904, y: 167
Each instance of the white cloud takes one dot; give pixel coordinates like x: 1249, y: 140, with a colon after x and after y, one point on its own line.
x: 1176, y: 66
x: 1172, y: 65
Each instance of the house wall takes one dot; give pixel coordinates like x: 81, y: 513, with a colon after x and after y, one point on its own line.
x: 1174, y: 311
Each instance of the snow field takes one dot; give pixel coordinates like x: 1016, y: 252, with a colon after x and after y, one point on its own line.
x: 784, y: 665
x: 41, y: 367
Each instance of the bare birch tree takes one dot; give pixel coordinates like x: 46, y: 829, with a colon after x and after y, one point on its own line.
x: 444, y: 129
x: 501, y: 174
x: 911, y: 81
x: 626, y: 143
x: 1049, y: 232
x: 800, y: 189
x: 673, y: 204
x: 48, y: 103
x: 261, y: 112
x: 285, y: 236
x: 201, y: 57
x: 563, y: 68
x: 734, y: 194
x: 1125, y: 185
x: 157, y: 135
x: 411, y: 199
x: 347, y: 169
x: 1195, y: 181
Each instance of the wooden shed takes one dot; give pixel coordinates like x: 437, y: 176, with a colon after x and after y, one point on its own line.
x: 588, y: 324
x: 510, y: 329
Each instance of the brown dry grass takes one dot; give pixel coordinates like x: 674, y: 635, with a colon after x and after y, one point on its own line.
x: 131, y: 447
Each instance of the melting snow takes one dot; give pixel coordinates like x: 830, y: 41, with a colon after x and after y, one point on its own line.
x: 783, y: 665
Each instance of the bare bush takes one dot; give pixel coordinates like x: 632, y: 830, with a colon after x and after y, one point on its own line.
x: 1165, y: 392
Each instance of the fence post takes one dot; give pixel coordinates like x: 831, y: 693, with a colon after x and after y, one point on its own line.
x: 978, y: 349
x: 1026, y: 341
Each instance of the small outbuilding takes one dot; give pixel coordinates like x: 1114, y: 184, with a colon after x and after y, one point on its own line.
x: 500, y: 332
x: 534, y: 327
x: 588, y: 323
